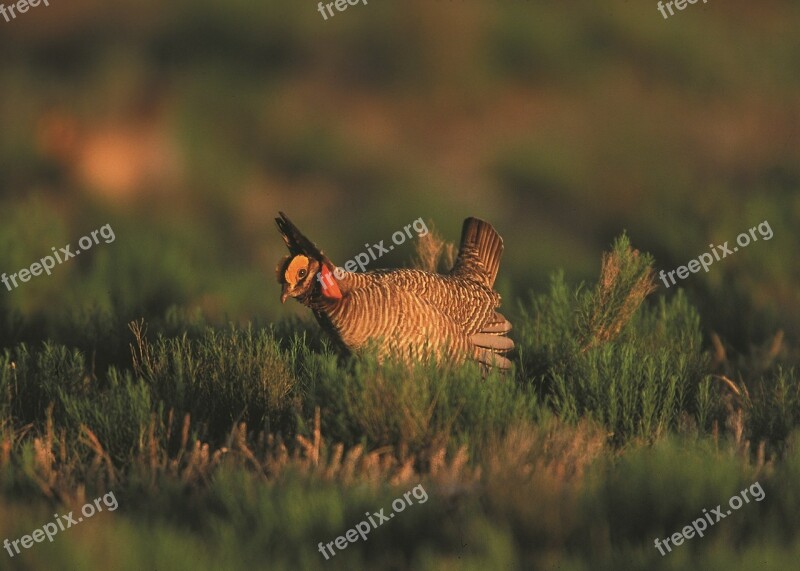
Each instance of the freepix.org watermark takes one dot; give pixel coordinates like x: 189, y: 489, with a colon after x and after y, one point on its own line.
x: 679, y: 5
x: 19, y: 8
x: 62, y: 523
x: 47, y: 263
x: 721, y: 251
x: 362, y: 528
x: 341, y: 6
x: 699, y: 525
x: 361, y: 259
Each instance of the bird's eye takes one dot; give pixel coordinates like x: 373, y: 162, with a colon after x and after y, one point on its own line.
x: 302, y: 273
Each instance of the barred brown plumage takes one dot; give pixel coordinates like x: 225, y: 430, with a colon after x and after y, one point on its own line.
x: 413, y: 314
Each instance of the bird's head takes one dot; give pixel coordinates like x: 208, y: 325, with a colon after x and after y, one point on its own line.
x: 297, y: 275
x: 306, y: 273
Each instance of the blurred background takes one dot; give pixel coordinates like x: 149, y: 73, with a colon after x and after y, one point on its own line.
x: 188, y: 125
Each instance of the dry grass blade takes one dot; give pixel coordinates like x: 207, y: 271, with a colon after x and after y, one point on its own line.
x: 729, y: 383
x: 626, y: 279
x: 89, y: 438
x: 434, y: 253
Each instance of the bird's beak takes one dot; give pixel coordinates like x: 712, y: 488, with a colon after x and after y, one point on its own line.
x: 285, y: 293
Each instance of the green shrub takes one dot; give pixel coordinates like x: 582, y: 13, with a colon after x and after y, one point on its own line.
x: 595, y: 352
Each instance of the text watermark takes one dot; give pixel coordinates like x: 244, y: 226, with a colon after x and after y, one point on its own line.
x: 679, y: 4
x: 47, y: 263
x: 341, y: 6
x: 362, y: 528
x: 21, y: 7
x: 705, y: 260
x: 361, y: 259
x: 699, y: 525
x: 49, y: 530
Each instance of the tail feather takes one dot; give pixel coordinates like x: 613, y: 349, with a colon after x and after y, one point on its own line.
x: 492, y: 359
x: 480, y: 252
x: 498, y: 343
x: 497, y: 325
x: 491, y: 343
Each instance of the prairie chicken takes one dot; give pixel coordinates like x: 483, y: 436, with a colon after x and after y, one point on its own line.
x: 410, y: 313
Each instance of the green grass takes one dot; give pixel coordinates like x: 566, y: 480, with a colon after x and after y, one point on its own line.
x: 230, y: 432
x: 244, y: 444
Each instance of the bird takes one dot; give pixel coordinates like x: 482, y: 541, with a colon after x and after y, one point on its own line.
x: 411, y: 314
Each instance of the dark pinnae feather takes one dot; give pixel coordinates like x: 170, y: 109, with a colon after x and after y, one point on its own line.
x: 298, y: 243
